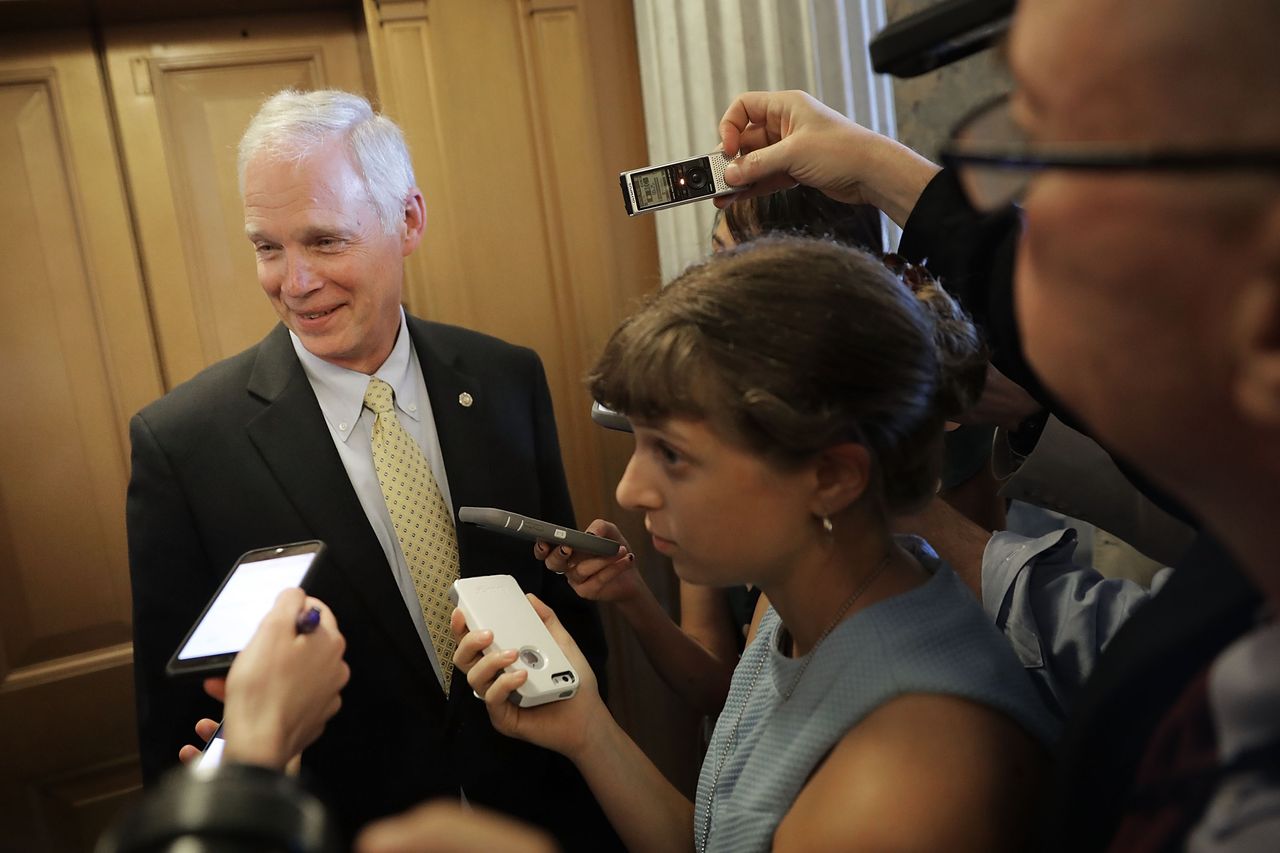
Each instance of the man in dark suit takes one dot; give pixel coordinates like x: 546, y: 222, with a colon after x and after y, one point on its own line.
x: 274, y: 445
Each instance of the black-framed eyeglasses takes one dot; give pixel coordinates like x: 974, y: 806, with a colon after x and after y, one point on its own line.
x: 995, y: 161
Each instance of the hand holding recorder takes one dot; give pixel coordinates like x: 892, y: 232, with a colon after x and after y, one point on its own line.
x: 785, y: 138
x: 612, y: 578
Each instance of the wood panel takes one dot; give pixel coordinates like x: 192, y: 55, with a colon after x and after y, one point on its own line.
x: 78, y: 355
x: 184, y: 94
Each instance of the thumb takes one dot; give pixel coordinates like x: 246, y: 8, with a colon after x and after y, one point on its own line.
x: 549, y: 618
x: 769, y: 164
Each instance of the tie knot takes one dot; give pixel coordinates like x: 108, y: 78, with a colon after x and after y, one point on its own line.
x: 378, y: 396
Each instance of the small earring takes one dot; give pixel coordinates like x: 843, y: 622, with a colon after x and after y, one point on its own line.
x: 826, y: 524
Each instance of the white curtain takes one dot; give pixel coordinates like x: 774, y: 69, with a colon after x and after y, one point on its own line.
x: 696, y: 55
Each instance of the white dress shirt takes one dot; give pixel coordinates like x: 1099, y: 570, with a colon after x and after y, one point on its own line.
x: 340, y: 393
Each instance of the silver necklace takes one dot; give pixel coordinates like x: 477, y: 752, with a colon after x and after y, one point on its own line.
x: 755, y: 676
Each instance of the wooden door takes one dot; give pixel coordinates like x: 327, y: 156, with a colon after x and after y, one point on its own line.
x: 77, y: 358
x: 184, y: 93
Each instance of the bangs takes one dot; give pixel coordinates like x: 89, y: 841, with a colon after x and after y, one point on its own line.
x: 657, y: 366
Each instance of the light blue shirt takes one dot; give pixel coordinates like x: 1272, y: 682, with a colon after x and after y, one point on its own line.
x: 340, y: 393
x: 1057, y: 615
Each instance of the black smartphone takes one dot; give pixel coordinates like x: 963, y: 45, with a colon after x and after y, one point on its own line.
x: 239, y: 605
x: 532, y: 530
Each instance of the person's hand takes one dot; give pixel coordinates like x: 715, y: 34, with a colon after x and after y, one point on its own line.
x: 563, y: 725
x: 204, y: 730
x: 791, y: 137
x: 613, y: 579
x: 284, y: 686
x: 1003, y: 403
x: 446, y: 827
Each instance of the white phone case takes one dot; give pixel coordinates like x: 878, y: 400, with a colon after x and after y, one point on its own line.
x: 496, y: 603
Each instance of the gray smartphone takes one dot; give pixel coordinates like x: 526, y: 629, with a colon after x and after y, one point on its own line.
x: 609, y: 419
x: 533, y: 530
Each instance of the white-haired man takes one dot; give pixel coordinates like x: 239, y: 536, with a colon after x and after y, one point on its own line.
x: 308, y: 434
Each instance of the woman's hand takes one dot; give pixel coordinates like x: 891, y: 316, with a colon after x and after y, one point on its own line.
x: 791, y: 137
x: 564, y: 725
x: 614, y: 579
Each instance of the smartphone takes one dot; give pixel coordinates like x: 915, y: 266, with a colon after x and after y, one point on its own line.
x: 533, y: 530
x: 496, y: 603
x: 609, y: 419
x: 211, y: 755
x: 239, y: 605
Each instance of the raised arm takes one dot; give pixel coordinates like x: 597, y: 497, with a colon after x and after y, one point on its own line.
x: 791, y: 137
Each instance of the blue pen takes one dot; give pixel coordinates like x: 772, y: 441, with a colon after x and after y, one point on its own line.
x: 309, y: 621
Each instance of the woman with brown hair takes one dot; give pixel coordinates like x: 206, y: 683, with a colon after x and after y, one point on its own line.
x: 788, y: 398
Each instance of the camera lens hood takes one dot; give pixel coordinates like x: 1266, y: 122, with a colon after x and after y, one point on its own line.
x: 235, y: 807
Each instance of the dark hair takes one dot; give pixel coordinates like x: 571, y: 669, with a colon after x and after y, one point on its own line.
x: 792, y: 345
x: 805, y: 212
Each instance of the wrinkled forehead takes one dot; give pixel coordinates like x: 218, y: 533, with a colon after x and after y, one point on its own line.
x: 323, y: 176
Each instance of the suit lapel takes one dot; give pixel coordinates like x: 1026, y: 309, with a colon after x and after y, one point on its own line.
x: 291, y: 435
x: 460, y: 428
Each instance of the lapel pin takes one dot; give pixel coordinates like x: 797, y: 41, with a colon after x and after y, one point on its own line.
x: 465, y: 400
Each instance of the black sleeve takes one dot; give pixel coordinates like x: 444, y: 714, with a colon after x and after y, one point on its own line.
x: 171, y: 581
x: 973, y: 255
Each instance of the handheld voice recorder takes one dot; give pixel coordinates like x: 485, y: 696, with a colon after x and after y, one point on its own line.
x: 658, y: 187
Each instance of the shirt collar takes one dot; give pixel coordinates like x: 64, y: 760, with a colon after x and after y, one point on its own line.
x: 340, y: 392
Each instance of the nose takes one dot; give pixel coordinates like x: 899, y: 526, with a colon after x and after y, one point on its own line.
x: 633, y: 490
x: 299, y: 277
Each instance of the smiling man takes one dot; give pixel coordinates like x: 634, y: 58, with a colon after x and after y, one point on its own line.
x: 309, y: 435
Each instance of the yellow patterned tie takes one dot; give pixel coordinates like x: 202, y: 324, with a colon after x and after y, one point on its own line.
x: 423, y: 522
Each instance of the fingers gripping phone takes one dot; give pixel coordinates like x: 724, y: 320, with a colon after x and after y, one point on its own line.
x: 533, y: 530
x: 496, y: 603
x: 238, y: 607
x: 211, y: 755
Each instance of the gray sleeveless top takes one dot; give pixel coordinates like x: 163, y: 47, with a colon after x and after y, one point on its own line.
x: 933, y: 639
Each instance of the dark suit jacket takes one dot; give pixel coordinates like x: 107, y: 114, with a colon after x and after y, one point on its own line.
x: 240, y: 458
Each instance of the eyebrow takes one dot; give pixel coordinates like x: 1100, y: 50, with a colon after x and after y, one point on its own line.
x: 311, y: 233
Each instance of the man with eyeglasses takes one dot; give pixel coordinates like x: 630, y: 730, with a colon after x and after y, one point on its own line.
x: 1115, y: 224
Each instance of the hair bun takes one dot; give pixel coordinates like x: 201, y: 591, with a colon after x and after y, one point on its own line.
x: 962, y: 353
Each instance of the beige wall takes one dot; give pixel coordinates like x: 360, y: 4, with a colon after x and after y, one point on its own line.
x: 928, y: 106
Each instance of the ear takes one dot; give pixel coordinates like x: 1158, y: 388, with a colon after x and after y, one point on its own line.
x: 1257, y: 337
x: 842, y: 473
x: 415, y: 222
